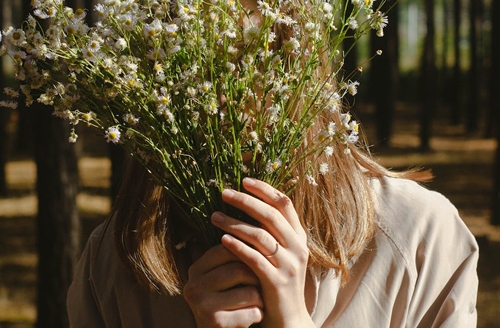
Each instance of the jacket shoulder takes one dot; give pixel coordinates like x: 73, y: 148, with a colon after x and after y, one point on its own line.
x: 418, y: 220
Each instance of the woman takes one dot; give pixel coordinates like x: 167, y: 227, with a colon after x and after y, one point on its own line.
x: 408, y: 261
x: 365, y: 247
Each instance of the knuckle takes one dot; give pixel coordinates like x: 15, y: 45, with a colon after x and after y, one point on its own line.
x: 260, y: 235
x: 191, y: 293
x: 251, y: 293
x: 218, y: 319
x: 195, y: 290
x: 281, y: 200
x: 246, y: 201
x: 255, y: 314
x: 302, y: 253
x: 191, y: 271
x: 239, y: 270
x: 240, y: 196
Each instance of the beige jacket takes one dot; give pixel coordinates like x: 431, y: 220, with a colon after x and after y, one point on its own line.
x: 418, y: 271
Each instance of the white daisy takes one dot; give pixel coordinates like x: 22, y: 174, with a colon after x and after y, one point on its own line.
x: 328, y: 151
x: 323, y: 168
x: 113, y: 135
x: 273, y: 165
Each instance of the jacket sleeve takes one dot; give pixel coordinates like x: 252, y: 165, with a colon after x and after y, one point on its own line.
x: 419, y: 270
x: 446, y: 265
x: 82, y: 304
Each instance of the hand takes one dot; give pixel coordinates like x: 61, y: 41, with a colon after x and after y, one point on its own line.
x: 222, y: 291
x: 276, y: 252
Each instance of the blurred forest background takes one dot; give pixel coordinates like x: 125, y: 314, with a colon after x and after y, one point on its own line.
x: 429, y: 100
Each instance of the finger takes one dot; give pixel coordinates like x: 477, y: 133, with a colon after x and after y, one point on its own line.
x: 251, y: 257
x: 231, y: 275
x: 237, y: 307
x: 214, y: 257
x: 259, y: 238
x: 276, y: 199
x: 270, y: 218
x: 244, y: 317
x: 237, y: 298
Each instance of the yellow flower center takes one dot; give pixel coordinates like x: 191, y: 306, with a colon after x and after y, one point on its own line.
x: 112, y: 135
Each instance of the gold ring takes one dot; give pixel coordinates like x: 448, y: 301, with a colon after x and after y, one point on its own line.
x: 275, y: 251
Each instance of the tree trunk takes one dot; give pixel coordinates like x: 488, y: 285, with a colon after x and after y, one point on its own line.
x: 495, y: 211
x: 457, y: 71
x: 428, y: 80
x: 57, y: 221
x: 444, y: 72
x: 446, y: 35
x: 58, y: 224
x: 384, y: 74
x: 4, y: 116
x: 24, y: 130
x: 473, y: 112
x: 494, y: 92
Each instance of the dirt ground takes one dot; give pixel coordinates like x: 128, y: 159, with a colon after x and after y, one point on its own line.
x: 462, y: 167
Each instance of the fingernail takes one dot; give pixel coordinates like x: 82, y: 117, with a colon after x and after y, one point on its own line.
x: 248, y: 181
x: 227, y: 238
x: 217, y: 217
x: 228, y: 193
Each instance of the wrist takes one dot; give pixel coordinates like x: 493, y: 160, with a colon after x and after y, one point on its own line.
x: 303, y: 322
x: 297, y: 320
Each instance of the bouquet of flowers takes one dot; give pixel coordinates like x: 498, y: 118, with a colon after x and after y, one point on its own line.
x: 202, y: 92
